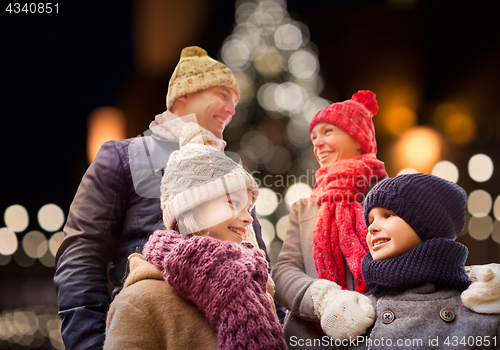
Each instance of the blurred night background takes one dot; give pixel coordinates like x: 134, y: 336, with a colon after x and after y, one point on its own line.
x: 99, y: 70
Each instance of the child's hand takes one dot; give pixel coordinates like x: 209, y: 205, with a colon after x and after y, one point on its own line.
x: 342, y: 313
x: 483, y: 295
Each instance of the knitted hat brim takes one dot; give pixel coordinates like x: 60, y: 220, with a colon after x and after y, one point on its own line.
x: 196, y: 196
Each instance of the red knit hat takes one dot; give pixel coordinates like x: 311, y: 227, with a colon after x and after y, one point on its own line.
x: 354, y: 116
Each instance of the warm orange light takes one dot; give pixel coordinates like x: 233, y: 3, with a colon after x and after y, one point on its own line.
x: 456, y: 122
x: 443, y: 111
x: 460, y: 128
x: 419, y: 148
x: 398, y: 119
x: 161, y: 28
x: 398, y: 100
x: 105, y: 124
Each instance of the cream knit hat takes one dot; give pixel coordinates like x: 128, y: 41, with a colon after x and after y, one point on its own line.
x: 197, y: 174
x: 196, y: 71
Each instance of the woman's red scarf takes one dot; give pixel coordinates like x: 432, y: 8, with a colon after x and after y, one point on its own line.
x: 341, y: 229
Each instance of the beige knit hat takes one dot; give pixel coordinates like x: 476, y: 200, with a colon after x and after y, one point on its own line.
x: 197, y: 174
x: 196, y: 71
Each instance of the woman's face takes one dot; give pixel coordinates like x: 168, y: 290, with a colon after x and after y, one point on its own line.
x: 332, y: 144
x: 227, y: 217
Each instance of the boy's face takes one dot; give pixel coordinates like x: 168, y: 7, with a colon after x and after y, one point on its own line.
x: 332, y: 144
x: 389, y: 236
x: 214, y: 107
x: 227, y: 217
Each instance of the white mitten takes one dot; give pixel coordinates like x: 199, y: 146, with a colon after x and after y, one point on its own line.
x: 483, y: 295
x: 342, y: 313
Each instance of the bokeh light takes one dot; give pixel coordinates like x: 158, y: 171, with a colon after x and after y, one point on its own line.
x: 456, y: 122
x: 480, y: 228
x: 274, y: 250
x: 55, y: 241
x: 405, y: 171
x: 267, y: 202
x: 446, y: 170
x: 104, y: 124
x: 249, y: 159
x: 418, y: 148
x: 47, y: 259
x: 460, y: 128
x: 30, y: 327
x: 268, y: 233
x: 288, y: 37
x: 495, y: 234
x: 257, y: 144
x: 8, y: 241
x: 269, y: 63
x: 496, y: 208
x: 296, y: 192
x: 398, y: 98
x: 480, y: 167
x: 246, y: 86
x: 281, y: 227
x: 443, y: 111
x: 297, y: 134
x: 16, y: 218
x: 51, y: 217
x: 265, y: 96
x: 235, y: 53
x: 303, y: 64
x: 479, y: 203
x: 313, y: 106
x: 280, y: 160
x: 22, y: 259
x: 398, y: 119
x: 35, y: 244
x: 288, y: 96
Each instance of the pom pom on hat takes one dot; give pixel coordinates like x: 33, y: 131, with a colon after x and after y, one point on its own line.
x: 367, y: 99
x: 354, y: 116
x: 196, y: 71
x: 193, y: 51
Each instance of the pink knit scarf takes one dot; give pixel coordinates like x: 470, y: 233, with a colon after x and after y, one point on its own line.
x: 341, y: 229
x: 226, y: 281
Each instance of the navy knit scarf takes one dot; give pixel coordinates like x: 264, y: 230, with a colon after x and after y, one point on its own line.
x: 440, y: 261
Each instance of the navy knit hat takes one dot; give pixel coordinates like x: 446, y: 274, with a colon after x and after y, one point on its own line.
x: 432, y: 206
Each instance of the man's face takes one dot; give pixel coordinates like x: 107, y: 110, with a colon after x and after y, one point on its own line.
x: 214, y: 107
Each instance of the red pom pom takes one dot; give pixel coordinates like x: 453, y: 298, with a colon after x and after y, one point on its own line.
x: 367, y: 98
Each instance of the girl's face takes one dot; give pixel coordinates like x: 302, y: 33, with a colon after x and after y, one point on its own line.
x: 389, y: 236
x: 332, y: 144
x: 227, y: 217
